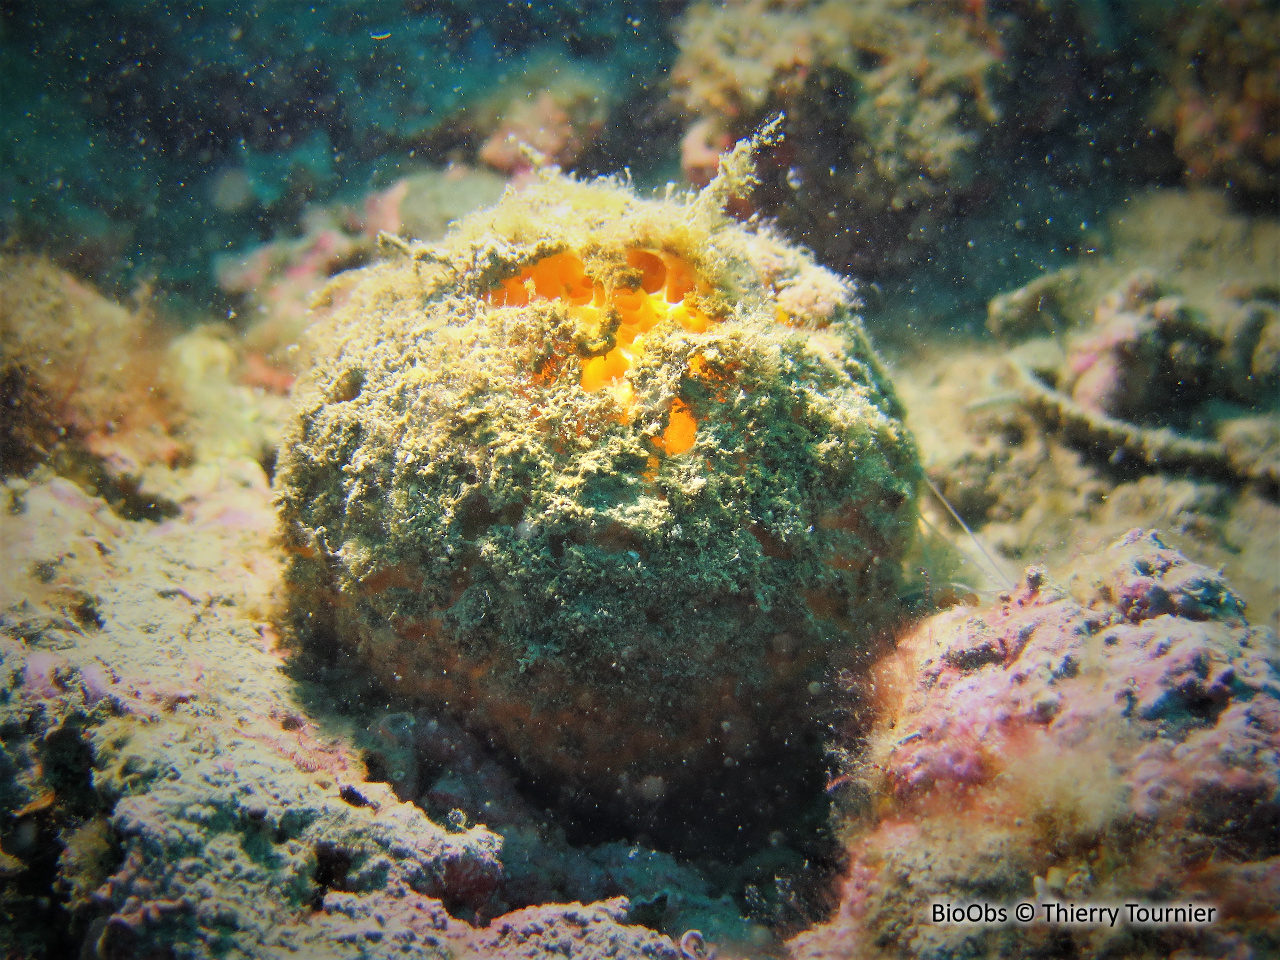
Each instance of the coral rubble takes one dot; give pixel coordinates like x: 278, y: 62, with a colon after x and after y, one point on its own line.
x: 606, y: 478
x: 1111, y: 738
x: 1135, y: 387
x: 1147, y: 372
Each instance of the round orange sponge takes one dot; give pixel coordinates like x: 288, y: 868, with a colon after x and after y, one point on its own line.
x: 568, y: 477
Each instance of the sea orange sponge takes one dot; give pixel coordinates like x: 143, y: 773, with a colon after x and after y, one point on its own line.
x: 566, y: 477
x: 663, y: 283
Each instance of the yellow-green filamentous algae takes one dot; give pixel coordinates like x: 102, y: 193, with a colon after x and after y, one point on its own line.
x: 609, y: 479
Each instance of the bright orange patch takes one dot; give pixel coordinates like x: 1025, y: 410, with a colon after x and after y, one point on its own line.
x: 597, y: 371
x: 681, y: 432
x: 652, y: 269
x: 665, y: 281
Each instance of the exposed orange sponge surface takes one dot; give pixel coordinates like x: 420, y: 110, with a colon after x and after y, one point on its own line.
x: 665, y: 282
x: 681, y: 432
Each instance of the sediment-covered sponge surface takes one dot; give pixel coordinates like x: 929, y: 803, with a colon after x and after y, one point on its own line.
x: 608, y: 478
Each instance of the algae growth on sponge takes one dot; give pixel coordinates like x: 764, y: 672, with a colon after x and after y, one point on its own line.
x: 566, y: 477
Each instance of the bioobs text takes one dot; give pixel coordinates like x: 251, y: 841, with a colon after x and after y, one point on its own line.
x: 984, y: 913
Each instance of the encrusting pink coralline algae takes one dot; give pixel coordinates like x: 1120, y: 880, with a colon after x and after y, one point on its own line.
x: 1113, y: 739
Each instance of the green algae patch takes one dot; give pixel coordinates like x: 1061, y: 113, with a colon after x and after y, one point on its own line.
x: 607, y: 478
